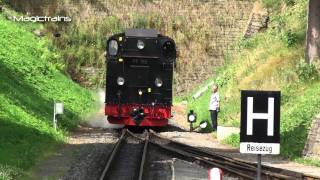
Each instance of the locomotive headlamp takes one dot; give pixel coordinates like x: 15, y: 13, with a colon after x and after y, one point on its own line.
x: 120, y: 81
x: 140, y: 92
x: 113, y: 48
x: 140, y: 44
x: 158, y: 82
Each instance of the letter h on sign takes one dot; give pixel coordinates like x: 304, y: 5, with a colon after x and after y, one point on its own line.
x: 269, y: 116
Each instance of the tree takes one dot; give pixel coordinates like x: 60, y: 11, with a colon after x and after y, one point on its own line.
x: 313, y: 32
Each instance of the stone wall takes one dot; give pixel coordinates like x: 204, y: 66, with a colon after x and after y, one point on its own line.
x: 258, y: 22
x: 227, y: 21
x: 312, y: 146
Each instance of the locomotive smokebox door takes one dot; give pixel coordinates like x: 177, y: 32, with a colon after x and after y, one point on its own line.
x: 139, y: 64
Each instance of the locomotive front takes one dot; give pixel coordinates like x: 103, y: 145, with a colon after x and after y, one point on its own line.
x: 140, y: 65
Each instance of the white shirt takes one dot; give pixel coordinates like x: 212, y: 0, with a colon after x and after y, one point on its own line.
x: 214, y: 101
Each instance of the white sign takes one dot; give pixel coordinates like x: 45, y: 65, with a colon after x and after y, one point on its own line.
x: 215, y: 174
x: 260, y: 122
x: 58, y: 108
x: 259, y: 148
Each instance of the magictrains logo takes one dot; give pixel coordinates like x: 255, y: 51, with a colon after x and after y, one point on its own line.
x: 41, y: 19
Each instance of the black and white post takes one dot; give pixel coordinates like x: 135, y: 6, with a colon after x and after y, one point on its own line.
x: 192, y: 118
x: 260, y: 124
x: 57, y: 109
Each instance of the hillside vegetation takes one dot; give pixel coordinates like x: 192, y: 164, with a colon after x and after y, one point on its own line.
x: 272, y: 60
x: 29, y: 83
x: 203, y: 30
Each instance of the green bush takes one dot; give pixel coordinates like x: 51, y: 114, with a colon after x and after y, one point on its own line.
x: 290, y: 39
x: 279, y: 22
x: 290, y: 2
x: 307, y: 72
x: 233, y: 140
x: 247, y: 43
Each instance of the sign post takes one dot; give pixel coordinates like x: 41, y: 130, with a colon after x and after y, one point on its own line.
x: 57, y: 109
x: 260, y: 124
x: 259, y: 167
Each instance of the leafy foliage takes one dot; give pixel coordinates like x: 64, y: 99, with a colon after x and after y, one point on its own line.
x: 290, y: 2
x: 233, y: 140
x: 307, y: 72
x: 290, y: 38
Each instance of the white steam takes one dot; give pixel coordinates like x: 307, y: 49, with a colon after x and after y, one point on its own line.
x: 99, y: 119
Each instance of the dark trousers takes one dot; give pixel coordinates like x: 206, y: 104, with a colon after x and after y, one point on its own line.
x: 214, y: 119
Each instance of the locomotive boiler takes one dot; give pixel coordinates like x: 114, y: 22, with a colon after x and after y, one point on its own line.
x: 140, y: 64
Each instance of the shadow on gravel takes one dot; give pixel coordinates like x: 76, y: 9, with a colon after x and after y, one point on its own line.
x: 77, y: 161
x: 83, y: 158
x: 171, y: 128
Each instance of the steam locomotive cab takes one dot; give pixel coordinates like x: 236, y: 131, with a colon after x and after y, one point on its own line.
x: 140, y: 66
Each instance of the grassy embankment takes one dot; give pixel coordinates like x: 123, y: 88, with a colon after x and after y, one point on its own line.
x: 29, y: 83
x: 272, y: 60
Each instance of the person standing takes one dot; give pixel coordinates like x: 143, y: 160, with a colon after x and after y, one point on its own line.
x: 214, y: 107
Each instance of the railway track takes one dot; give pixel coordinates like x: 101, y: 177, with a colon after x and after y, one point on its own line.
x: 233, y: 166
x: 127, y: 159
x: 129, y: 156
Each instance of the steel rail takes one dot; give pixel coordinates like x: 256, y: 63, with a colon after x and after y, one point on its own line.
x: 191, y: 156
x: 310, y: 177
x: 144, y: 155
x: 234, y: 164
x: 239, y: 163
x: 113, y: 154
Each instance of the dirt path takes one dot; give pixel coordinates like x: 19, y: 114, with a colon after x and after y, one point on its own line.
x: 81, y: 158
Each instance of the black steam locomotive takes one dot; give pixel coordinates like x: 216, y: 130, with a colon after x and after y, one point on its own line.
x: 140, y: 65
